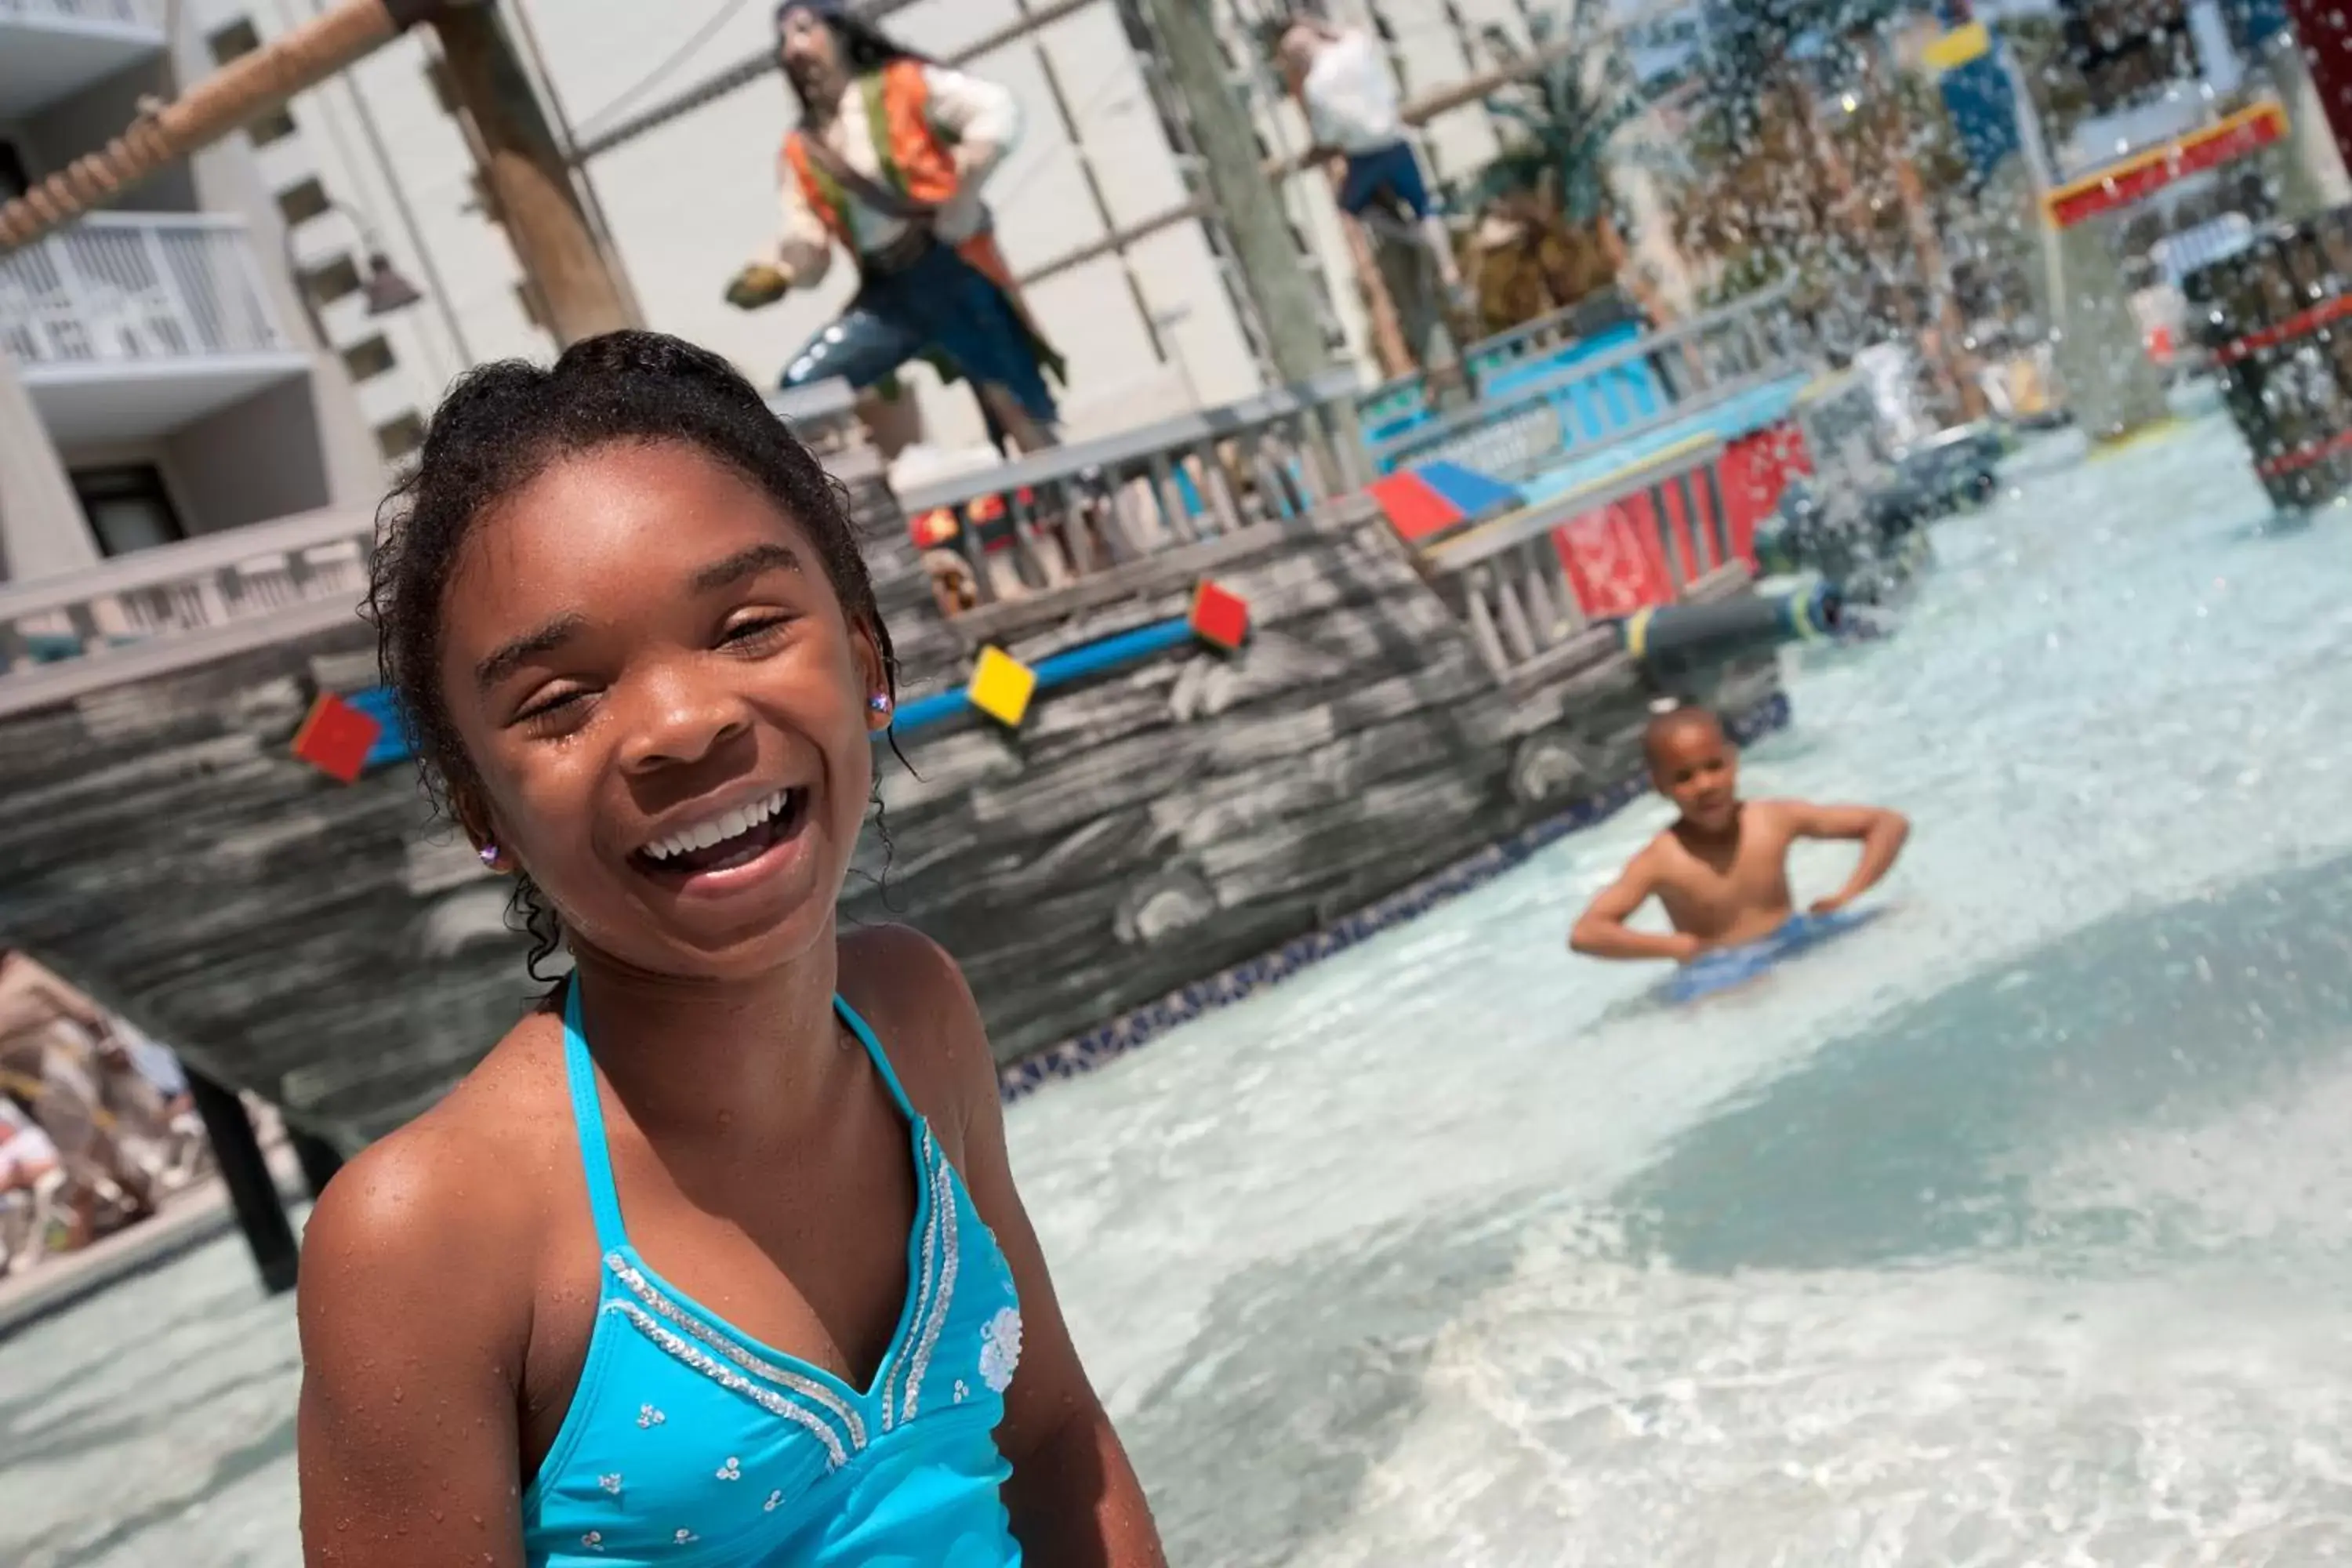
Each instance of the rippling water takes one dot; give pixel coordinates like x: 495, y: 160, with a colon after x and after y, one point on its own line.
x: 2016, y: 1229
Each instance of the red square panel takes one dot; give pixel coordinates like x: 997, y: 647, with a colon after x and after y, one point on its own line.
x: 336, y: 738
x: 1414, y: 509
x: 1220, y: 617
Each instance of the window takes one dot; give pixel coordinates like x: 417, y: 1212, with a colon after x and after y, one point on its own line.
x: 128, y: 507
x: 333, y: 280
x: 400, y: 438
x: 237, y: 38
x: 275, y: 126
x: 13, y: 179
x: 369, y: 359
x: 304, y: 202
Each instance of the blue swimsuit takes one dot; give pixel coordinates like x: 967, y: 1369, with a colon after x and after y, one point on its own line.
x: 689, y: 1446
x: 1728, y: 966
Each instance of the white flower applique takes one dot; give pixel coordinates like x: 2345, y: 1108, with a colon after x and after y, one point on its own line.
x: 999, y: 1349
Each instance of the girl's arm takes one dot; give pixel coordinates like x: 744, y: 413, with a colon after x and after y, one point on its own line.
x: 1074, y: 1498
x: 1881, y: 833
x: 414, y: 1316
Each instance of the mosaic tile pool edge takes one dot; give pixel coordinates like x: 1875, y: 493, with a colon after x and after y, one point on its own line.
x: 1138, y: 1027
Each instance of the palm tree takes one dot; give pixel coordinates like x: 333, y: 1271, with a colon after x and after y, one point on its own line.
x: 1551, y: 230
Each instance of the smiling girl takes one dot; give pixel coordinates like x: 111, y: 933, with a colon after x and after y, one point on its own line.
x: 716, y: 1259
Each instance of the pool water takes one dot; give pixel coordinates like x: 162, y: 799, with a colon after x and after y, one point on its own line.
x: 2013, y: 1228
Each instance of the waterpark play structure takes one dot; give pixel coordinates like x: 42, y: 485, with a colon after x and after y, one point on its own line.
x: 1252, y: 685
x: 2273, y: 317
x: 2110, y: 389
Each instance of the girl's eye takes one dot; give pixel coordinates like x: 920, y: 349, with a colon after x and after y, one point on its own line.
x: 551, y: 709
x: 755, y: 631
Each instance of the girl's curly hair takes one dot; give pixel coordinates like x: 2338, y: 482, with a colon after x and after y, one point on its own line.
x: 499, y: 427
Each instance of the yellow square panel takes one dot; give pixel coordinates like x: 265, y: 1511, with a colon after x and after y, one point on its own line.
x: 1000, y: 687
x: 1958, y: 48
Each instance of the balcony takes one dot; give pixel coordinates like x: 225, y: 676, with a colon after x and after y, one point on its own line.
x: 128, y: 326
x: 51, y: 49
x: 180, y: 604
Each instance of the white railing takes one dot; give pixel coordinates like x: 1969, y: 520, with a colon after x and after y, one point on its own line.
x: 1511, y: 585
x: 124, y: 12
x: 136, y: 289
x: 1587, y: 402
x: 173, y: 590
x: 1049, y: 519
x: 1548, y: 334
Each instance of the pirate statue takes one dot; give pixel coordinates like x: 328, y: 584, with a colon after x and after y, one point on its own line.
x: 887, y: 162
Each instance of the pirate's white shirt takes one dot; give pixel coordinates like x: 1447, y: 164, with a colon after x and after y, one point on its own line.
x: 980, y: 119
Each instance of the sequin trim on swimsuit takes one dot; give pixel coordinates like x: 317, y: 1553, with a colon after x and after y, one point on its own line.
x: 645, y: 1290
x: 943, y: 1206
x: 929, y: 1150
x: 727, y: 1377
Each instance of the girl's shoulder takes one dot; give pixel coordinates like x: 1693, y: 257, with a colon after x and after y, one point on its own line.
x: 465, y: 1189
x: 913, y: 996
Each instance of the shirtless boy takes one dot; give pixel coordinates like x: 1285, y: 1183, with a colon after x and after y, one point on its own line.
x: 1721, y: 870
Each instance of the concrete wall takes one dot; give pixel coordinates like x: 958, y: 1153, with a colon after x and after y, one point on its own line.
x: 41, y: 529
x: 94, y: 116
x: 219, y: 484
x: 325, y: 426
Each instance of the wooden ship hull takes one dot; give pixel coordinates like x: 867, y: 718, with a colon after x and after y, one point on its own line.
x: 1163, y: 809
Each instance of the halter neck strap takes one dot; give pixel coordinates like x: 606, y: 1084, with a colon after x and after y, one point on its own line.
x: 588, y: 1121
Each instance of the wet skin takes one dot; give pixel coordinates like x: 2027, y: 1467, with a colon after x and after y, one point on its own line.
x: 1721, y: 870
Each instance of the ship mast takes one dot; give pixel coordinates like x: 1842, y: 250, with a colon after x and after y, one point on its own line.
x: 523, y: 163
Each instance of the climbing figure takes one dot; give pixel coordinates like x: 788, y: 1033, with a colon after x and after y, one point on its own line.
x: 1353, y: 112
x: 887, y: 162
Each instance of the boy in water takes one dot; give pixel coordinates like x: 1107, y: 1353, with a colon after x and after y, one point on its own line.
x: 1721, y: 870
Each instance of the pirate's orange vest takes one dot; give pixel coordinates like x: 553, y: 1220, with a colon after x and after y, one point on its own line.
x: 917, y: 162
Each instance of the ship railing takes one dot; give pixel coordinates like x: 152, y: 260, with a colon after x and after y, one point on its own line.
x: 1052, y: 520
x: 1512, y: 586
x: 65, y: 636
x: 1530, y: 417
x: 1548, y: 334
x: 124, y: 12
x: 824, y: 414
x: 1604, y: 321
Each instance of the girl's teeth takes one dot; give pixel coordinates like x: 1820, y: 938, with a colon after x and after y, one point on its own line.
x: 719, y: 830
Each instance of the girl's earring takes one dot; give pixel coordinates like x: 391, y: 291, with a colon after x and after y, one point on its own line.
x: 489, y: 853
x: 879, y: 702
